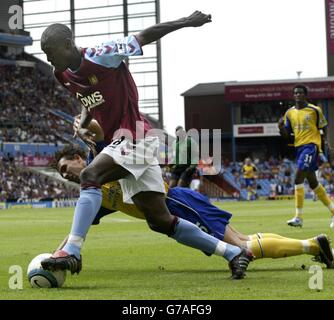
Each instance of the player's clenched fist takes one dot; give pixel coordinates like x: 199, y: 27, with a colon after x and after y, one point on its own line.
x: 197, y: 19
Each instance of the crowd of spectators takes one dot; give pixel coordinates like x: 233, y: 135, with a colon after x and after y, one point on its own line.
x: 280, y: 175
x: 26, y: 98
x: 18, y: 183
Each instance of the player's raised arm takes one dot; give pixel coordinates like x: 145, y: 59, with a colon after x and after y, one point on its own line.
x: 159, y: 30
x: 110, y: 54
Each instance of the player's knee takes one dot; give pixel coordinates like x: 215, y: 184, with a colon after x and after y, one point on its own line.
x: 153, y: 226
x: 160, y: 226
x: 313, y: 184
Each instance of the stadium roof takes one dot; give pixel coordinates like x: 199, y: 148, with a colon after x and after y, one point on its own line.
x: 16, y: 40
x: 283, y: 81
x: 206, y: 89
x: 218, y: 88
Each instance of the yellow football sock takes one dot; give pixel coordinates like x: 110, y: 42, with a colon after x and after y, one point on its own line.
x: 265, y: 235
x: 280, y: 248
x: 323, y: 197
x: 299, y: 200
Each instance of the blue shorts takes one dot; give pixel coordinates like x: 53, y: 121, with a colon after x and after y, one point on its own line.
x: 307, y: 157
x: 192, y: 206
x: 196, y: 208
x: 249, y: 182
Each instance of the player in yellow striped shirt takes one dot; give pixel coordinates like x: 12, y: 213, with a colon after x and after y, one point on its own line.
x: 308, y: 125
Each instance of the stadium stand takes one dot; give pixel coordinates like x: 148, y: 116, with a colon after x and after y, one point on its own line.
x: 25, y: 107
x: 36, y: 116
x: 20, y: 184
x: 32, y: 127
x: 35, y: 121
x: 275, y: 178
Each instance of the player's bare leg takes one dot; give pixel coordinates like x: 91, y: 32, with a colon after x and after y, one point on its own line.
x: 240, y: 235
x: 232, y: 237
x: 103, y: 169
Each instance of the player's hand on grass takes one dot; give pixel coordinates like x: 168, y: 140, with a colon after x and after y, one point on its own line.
x: 197, y: 19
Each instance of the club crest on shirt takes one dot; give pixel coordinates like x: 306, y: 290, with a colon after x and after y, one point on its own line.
x: 93, y: 79
x: 307, y: 117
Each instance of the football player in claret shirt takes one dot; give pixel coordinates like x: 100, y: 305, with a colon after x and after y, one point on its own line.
x: 101, y: 81
x: 308, y: 125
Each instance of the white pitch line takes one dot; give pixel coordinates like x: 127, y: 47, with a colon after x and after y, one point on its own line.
x: 122, y: 220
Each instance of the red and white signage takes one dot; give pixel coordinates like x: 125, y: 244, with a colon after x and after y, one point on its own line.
x: 277, y: 91
x: 255, y: 130
x: 31, y: 161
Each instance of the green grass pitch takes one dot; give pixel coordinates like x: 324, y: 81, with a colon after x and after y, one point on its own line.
x: 123, y: 259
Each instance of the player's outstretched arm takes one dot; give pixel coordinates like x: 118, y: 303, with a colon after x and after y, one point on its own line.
x: 159, y: 30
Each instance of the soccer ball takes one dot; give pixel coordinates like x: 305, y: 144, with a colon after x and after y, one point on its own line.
x: 40, y: 278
